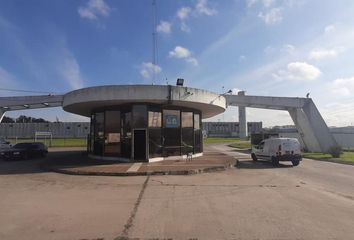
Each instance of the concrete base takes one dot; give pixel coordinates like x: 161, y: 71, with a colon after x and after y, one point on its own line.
x: 156, y: 159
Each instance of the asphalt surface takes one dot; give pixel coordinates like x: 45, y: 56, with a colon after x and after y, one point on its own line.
x: 253, y: 201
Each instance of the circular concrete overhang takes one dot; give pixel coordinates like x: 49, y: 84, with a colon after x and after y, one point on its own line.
x: 84, y: 101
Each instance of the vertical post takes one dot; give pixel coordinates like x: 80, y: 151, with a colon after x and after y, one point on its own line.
x: 242, y: 119
x: 2, y: 114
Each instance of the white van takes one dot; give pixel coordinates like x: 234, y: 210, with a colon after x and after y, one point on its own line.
x: 278, y: 149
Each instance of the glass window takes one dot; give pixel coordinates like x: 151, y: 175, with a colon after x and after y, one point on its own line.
x: 187, y: 119
x: 187, y: 140
x: 99, y: 134
x: 171, y: 118
x: 92, y: 134
x: 155, y: 142
x: 172, y: 132
x: 112, y: 133
x: 126, y: 134
x: 172, y: 141
x: 196, y: 121
x: 198, y: 141
x: 155, y: 119
x: 139, y: 116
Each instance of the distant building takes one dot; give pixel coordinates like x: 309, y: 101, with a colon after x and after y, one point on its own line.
x: 229, y: 129
x: 57, y: 129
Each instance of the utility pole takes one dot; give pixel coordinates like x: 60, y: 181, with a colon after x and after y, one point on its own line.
x: 154, y: 41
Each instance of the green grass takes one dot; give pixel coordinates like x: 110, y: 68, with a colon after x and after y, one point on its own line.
x: 219, y: 140
x: 345, y: 156
x: 56, y: 142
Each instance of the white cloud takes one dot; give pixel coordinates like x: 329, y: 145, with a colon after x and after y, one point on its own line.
x: 93, y: 9
x: 185, y: 27
x: 266, y: 3
x: 192, y: 60
x: 319, y: 54
x: 242, y: 58
x: 183, y: 53
x: 180, y: 52
x: 343, y: 86
x: 70, y: 70
x: 183, y: 13
x: 329, y: 29
x: 148, y: 69
x: 235, y: 90
x: 288, y: 48
x: 202, y: 8
x: 299, y: 71
x: 164, y: 27
x: 273, y: 16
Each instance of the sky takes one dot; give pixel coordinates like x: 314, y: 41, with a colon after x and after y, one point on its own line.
x: 264, y: 47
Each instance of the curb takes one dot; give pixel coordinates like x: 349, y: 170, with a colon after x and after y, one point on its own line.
x: 126, y: 174
x: 332, y: 161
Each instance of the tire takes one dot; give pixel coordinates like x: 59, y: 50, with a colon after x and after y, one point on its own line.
x: 254, y: 158
x: 275, y: 162
x: 295, y: 162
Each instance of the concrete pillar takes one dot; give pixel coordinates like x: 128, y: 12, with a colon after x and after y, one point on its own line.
x: 2, y: 114
x: 242, y: 119
x: 312, y: 128
x: 305, y: 130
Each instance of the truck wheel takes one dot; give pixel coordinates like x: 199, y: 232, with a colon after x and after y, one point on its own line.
x: 275, y: 161
x: 295, y: 162
x: 254, y: 158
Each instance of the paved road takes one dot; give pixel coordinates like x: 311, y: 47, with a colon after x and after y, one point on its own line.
x: 254, y: 201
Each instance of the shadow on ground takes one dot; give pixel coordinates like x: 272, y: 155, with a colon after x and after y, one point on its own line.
x: 40, y: 165
x: 250, y: 164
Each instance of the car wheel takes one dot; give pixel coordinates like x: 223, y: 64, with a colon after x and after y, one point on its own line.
x: 254, y: 158
x: 295, y: 162
x: 275, y: 161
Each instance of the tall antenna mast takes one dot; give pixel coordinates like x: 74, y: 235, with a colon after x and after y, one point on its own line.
x: 154, y: 41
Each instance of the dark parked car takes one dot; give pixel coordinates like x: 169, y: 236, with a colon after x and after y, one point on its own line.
x: 25, y: 151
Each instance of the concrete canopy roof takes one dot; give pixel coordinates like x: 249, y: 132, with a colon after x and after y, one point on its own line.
x: 84, y: 101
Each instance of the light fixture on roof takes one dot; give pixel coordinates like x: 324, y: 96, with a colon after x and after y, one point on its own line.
x: 26, y: 105
x: 46, y: 104
x: 180, y: 82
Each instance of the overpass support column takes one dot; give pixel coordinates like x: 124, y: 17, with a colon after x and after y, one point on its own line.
x: 312, y: 128
x: 242, y: 119
x: 2, y: 114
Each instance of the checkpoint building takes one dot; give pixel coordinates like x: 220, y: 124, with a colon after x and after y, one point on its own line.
x: 144, y: 122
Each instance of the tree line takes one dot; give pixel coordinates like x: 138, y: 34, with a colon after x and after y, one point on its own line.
x: 23, y: 119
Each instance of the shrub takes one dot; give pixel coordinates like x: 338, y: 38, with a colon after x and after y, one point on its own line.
x: 335, y: 151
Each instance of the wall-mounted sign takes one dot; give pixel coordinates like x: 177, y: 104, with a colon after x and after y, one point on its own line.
x: 171, y: 121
